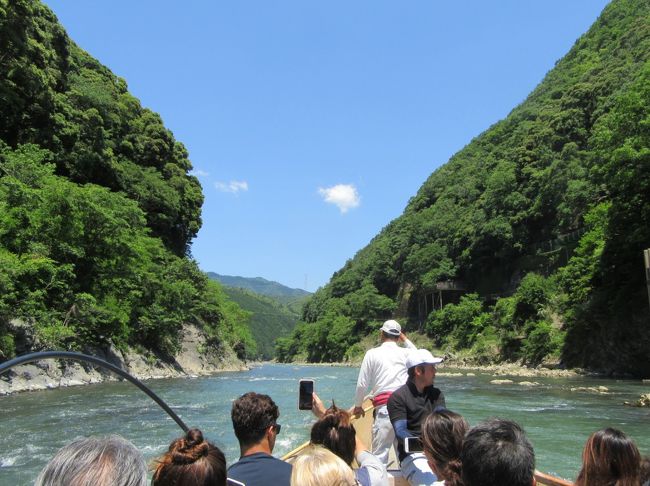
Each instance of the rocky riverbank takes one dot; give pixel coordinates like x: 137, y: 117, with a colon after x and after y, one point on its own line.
x: 192, y: 360
x: 513, y: 369
x: 456, y: 368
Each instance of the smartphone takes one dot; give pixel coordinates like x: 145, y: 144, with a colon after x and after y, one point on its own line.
x: 305, y: 390
x: 413, y: 444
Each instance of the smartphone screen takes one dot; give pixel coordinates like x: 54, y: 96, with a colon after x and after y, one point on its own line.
x: 413, y: 444
x: 306, y: 388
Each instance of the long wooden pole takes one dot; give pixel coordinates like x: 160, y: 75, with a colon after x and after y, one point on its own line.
x: 646, y: 257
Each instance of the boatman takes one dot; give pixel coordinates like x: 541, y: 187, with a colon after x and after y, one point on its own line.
x: 409, y: 406
x: 383, y: 371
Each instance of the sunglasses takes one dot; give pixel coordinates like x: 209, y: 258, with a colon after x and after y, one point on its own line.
x: 276, y: 427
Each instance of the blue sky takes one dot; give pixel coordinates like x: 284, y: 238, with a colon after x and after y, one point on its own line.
x: 311, y: 124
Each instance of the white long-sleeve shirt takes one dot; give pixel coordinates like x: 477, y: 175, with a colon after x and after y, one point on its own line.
x: 383, y: 369
x: 371, y: 471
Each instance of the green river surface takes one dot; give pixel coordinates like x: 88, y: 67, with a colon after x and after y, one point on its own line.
x: 557, y: 420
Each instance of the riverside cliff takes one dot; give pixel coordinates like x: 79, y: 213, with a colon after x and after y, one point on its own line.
x: 192, y: 360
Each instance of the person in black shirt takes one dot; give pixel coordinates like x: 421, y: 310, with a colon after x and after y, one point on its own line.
x: 254, y: 418
x: 409, y: 406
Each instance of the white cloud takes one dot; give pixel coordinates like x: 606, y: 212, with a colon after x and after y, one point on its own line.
x: 233, y: 187
x: 345, y: 196
x: 199, y: 173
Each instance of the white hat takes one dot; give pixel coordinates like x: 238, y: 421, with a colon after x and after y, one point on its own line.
x: 420, y: 357
x: 392, y: 327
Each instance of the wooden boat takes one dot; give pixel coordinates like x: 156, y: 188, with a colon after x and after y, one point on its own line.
x: 363, y: 427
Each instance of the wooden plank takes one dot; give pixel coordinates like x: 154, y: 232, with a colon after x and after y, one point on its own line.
x: 548, y: 480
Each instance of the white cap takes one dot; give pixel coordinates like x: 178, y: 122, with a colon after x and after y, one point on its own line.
x: 420, y: 357
x: 392, y: 327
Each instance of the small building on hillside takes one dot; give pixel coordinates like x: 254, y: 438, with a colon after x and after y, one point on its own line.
x: 442, y: 293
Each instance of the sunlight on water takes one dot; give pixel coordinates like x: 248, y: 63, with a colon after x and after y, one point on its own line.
x: 556, y: 419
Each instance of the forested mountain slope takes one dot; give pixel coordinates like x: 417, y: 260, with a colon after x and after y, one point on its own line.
x: 269, y: 319
x: 274, y: 308
x: 97, y: 207
x: 534, y: 231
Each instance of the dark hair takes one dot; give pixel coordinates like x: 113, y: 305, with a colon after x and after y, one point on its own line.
x: 442, y: 435
x: 609, y: 458
x: 191, y: 461
x: 645, y: 470
x: 251, y: 414
x: 497, y: 452
x: 411, y: 371
x: 390, y: 337
x: 335, y: 432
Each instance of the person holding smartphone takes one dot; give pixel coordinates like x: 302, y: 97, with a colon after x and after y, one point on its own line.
x: 383, y: 371
x: 409, y: 406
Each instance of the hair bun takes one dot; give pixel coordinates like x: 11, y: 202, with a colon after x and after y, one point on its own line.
x: 190, y: 448
x: 193, y: 437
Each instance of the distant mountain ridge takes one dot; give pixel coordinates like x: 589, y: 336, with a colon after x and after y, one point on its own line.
x: 260, y: 285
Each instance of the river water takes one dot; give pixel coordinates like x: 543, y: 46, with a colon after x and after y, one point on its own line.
x: 35, y: 425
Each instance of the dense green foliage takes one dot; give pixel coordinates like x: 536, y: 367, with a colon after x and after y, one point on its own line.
x: 269, y: 319
x: 55, y: 95
x: 97, y: 209
x: 543, y: 218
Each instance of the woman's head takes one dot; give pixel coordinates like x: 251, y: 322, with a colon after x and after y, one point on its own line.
x: 442, y: 435
x: 191, y: 460
x: 317, y: 466
x: 335, y: 432
x: 609, y: 457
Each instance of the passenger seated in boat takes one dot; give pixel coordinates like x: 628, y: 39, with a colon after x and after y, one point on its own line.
x: 95, y: 461
x: 335, y: 432
x: 317, y: 466
x: 495, y: 453
x: 442, y: 436
x: 254, y: 418
x: 191, y: 461
x: 610, y: 458
x: 408, y: 407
